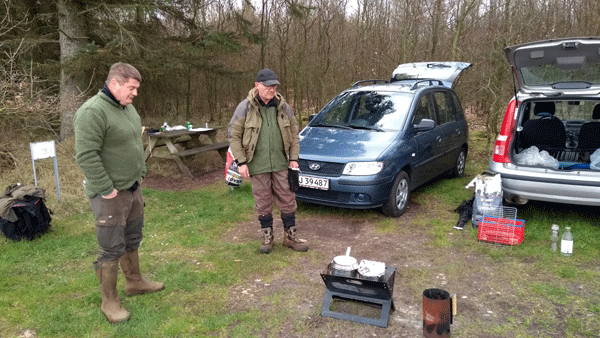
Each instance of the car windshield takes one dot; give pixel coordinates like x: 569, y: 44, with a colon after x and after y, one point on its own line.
x: 553, y: 74
x: 378, y: 111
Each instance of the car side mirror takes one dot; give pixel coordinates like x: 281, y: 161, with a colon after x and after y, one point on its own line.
x: 424, y: 125
x: 311, y: 117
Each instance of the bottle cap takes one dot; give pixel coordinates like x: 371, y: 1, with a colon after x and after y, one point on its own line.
x: 554, y: 226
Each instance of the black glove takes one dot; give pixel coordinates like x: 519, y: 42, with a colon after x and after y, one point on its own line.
x: 293, y: 179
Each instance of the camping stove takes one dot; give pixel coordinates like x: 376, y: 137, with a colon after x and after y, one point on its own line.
x: 368, y: 290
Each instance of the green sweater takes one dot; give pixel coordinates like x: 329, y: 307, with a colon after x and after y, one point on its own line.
x: 108, y: 145
x: 269, y: 155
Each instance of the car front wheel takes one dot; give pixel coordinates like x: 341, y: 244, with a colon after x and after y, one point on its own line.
x: 399, y: 196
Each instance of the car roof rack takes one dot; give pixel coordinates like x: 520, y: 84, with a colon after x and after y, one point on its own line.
x: 356, y: 84
x: 431, y: 83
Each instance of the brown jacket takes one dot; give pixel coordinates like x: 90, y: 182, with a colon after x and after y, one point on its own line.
x: 246, y: 122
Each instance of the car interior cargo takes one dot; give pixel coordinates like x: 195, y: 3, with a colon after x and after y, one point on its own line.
x: 569, y: 131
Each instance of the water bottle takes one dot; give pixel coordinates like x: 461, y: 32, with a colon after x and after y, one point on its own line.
x: 566, y: 243
x: 554, y: 238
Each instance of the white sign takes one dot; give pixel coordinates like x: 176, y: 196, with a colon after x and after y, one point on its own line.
x: 41, y: 150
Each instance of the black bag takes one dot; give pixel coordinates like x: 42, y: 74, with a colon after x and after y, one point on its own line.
x: 293, y: 179
x: 33, y: 220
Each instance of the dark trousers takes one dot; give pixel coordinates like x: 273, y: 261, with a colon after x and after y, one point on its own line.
x: 119, y: 223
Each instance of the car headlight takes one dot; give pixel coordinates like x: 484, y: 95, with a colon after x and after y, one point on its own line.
x: 362, y: 168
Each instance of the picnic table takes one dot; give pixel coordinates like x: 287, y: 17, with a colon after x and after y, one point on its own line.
x: 189, y: 139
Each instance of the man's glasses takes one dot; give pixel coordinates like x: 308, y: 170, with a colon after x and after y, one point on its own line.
x: 273, y: 87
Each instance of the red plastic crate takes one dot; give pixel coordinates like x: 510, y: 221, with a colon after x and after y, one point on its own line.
x: 501, y: 230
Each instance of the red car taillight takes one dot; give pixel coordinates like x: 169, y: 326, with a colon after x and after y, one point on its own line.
x: 502, y: 146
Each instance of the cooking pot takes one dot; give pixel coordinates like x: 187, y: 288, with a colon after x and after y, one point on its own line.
x: 371, y: 270
x: 344, y: 265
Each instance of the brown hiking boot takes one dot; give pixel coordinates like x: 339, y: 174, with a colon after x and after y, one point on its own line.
x: 107, y: 273
x: 135, y: 284
x: 267, y: 244
x: 290, y: 240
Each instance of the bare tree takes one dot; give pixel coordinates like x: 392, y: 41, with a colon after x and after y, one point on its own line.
x: 72, y: 38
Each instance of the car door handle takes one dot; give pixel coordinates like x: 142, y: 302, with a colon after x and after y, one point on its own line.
x: 438, y: 139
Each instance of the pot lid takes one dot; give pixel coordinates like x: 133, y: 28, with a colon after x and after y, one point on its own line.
x: 371, y: 268
x: 344, y: 261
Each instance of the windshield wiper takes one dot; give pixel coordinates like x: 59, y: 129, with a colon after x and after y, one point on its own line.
x: 329, y: 125
x: 366, y: 127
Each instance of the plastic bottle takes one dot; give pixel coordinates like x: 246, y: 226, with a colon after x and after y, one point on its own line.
x: 566, y: 243
x: 554, y: 238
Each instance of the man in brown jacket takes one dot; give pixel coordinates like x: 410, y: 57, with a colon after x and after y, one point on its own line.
x: 263, y: 136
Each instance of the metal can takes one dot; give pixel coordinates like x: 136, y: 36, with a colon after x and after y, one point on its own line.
x: 188, y: 125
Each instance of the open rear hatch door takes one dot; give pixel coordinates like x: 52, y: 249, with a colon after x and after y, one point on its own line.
x: 557, y: 67
x: 446, y: 72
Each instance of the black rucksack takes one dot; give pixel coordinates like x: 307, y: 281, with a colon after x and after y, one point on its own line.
x: 33, y: 220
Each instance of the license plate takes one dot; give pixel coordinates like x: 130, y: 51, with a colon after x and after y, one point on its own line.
x: 313, y: 182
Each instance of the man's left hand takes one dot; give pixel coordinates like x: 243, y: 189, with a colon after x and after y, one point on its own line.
x: 294, y: 164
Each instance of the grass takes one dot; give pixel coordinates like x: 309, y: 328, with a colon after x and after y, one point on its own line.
x: 48, y: 286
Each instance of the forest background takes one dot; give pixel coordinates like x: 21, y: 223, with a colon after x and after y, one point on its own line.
x: 198, y: 58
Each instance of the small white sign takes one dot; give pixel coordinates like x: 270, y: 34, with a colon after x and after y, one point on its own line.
x: 41, y: 150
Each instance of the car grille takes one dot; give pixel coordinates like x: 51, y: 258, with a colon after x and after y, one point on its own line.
x: 324, y: 195
x: 325, y: 168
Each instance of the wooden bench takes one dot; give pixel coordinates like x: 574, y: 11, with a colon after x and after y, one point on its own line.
x: 220, y: 147
x: 190, y: 140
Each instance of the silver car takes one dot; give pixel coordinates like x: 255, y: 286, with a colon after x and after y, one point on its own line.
x: 548, y: 144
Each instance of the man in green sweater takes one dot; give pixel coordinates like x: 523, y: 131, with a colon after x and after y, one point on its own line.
x: 110, y: 152
x: 263, y: 136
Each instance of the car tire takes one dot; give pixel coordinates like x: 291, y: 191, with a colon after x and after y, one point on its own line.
x: 399, y: 196
x: 460, y: 164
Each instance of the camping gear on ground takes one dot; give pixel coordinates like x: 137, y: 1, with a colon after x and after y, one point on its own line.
x: 344, y: 265
x: 488, y: 196
x: 360, y: 289
x: 232, y: 174
x: 500, y: 225
x: 554, y: 238
x: 566, y: 242
x: 439, y: 307
x: 465, y: 212
x: 23, y: 214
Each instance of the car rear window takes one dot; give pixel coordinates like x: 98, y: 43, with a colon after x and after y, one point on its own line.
x: 554, y: 74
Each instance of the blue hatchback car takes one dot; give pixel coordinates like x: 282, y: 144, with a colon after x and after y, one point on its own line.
x: 378, y: 140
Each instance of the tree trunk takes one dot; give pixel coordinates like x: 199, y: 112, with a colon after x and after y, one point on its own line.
x: 72, y: 38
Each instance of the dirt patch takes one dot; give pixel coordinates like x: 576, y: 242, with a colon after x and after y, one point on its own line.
x: 484, y: 295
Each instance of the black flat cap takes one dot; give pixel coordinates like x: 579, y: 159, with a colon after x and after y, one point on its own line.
x: 267, y: 77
